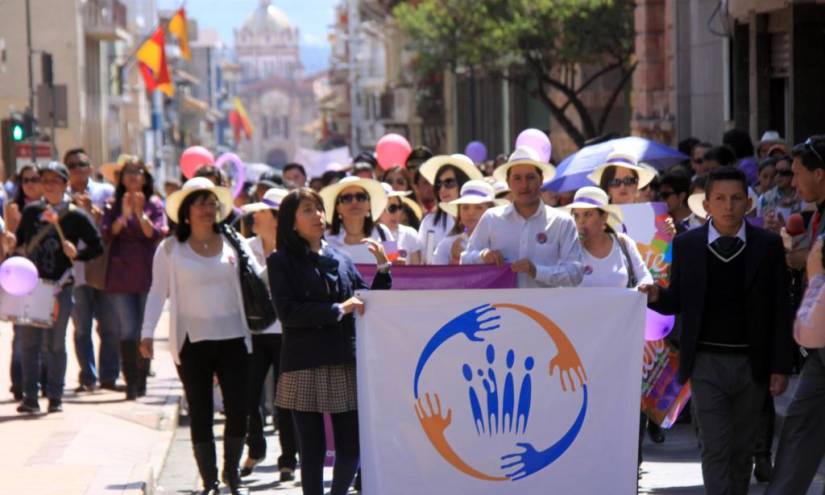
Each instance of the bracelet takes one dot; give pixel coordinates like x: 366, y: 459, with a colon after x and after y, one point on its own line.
x: 383, y: 267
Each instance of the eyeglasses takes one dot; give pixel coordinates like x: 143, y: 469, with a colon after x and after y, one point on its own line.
x: 698, y: 161
x: 393, y: 209
x: 446, y: 183
x: 346, y: 199
x: 74, y: 165
x: 810, y: 145
x: 627, y: 181
x: 30, y: 180
x: 132, y: 171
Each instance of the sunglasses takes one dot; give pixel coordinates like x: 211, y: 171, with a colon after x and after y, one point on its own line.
x: 448, y: 183
x: 784, y: 173
x: 74, y: 165
x: 133, y: 171
x: 698, y: 161
x: 627, y: 181
x: 393, y: 209
x: 809, y: 144
x: 346, y: 199
x: 30, y: 180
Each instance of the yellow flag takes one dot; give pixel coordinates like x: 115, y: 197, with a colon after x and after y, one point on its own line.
x: 177, y: 28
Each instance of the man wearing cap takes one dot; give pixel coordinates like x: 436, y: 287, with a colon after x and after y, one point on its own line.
x: 91, y: 302
x: 49, y: 235
x: 540, y: 243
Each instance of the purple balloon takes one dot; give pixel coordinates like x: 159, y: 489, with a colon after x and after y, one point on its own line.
x: 657, y: 325
x: 476, y: 151
x: 18, y: 276
x: 238, y: 175
x: 537, y: 141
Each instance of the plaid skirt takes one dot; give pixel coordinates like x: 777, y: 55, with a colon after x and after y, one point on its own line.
x: 326, y: 389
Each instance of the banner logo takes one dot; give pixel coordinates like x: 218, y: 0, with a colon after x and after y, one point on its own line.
x: 501, y: 387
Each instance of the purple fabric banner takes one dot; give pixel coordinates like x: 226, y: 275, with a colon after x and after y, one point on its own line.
x: 418, y: 277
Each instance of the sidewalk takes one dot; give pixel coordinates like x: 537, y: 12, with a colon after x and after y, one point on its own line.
x: 100, y: 444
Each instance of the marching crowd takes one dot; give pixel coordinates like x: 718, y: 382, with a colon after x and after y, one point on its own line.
x: 747, y: 255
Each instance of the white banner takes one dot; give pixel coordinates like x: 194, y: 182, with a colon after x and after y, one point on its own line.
x: 512, y: 391
x: 315, y: 162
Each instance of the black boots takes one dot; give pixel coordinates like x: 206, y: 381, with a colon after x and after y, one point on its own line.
x: 142, y: 374
x: 129, y: 364
x: 232, y: 451
x: 207, y: 467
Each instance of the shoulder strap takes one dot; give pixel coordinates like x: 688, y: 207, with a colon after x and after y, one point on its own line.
x: 41, y: 234
x: 631, y: 274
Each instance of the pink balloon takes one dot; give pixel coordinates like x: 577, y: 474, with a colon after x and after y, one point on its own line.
x: 657, y: 325
x: 18, y: 276
x: 537, y: 141
x: 193, y: 158
x: 392, y: 150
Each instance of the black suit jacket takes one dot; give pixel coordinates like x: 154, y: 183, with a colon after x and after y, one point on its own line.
x: 306, y: 290
x: 767, y: 301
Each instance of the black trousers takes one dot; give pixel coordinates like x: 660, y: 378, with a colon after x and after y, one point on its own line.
x: 199, y: 362
x: 312, y: 444
x: 266, y: 355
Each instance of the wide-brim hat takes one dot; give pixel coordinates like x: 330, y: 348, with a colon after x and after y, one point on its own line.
x: 696, y: 203
x: 770, y: 137
x: 473, y: 192
x: 429, y: 169
x: 524, y: 156
x: 594, y: 197
x: 271, y: 200
x: 194, y: 185
x: 646, y: 173
x: 373, y: 188
x: 404, y: 197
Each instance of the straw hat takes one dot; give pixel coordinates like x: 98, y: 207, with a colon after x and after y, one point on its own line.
x: 404, y: 196
x: 196, y: 184
x: 770, y: 137
x: 696, y: 203
x: 378, y: 198
x: 594, y: 197
x: 624, y: 160
x: 431, y: 167
x: 524, y: 156
x: 473, y: 192
x: 271, y: 201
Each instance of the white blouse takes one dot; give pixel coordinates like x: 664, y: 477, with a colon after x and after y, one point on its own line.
x: 445, y: 247
x: 358, y: 253
x: 407, y: 238
x: 611, y: 271
x: 430, y: 234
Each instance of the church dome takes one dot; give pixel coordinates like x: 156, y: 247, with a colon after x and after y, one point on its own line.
x: 266, y: 19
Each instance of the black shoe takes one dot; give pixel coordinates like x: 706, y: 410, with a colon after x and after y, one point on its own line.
x: 55, y: 406
x: 763, y: 471
x: 28, y: 408
x: 232, y: 450
x: 17, y: 393
x: 113, y: 386
x: 85, y: 387
x: 213, y: 489
x: 357, y: 483
x: 248, y: 465
x: 287, y: 474
x: 657, y: 435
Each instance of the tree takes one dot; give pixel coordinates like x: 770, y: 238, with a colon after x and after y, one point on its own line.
x: 538, y: 45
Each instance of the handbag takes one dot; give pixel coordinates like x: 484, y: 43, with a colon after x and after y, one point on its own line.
x: 631, y: 274
x: 257, y: 304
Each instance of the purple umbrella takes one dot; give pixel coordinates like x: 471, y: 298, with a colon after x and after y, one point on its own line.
x: 572, y: 173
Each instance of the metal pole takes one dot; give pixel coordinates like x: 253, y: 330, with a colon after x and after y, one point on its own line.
x: 31, y: 77
x: 355, y: 117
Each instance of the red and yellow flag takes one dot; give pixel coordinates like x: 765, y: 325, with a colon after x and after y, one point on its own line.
x: 177, y: 28
x: 239, y: 119
x: 151, y: 58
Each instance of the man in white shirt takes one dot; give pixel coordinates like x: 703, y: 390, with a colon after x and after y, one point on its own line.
x: 540, y: 243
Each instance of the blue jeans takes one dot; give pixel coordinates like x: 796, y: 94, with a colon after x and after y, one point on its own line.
x: 128, y: 307
x: 91, y: 303
x: 53, y: 339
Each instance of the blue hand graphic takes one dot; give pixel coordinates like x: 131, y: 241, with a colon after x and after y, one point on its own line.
x: 531, y: 460
x: 469, y: 323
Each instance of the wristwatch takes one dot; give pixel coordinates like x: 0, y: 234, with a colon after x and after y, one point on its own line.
x: 384, y: 267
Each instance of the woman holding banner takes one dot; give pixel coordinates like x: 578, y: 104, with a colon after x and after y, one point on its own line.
x: 409, y: 251
x: 447, y: 174
x: 353, y: 206
x: 476, y: 197
x: 313, y: 287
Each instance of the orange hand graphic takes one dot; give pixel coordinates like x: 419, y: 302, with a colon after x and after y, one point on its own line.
x: 434, y: 425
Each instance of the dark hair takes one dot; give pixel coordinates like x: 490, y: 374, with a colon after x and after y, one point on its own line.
x: 148, y: 185
x: 723, y: 155
x: 408, y: 178
x: 366, y: 157
x: 703, y: 144
x: 420, y: 153
x: 676, y: 180
x: 296, y: 166
x: 767, y: 162
x: 609, y: 174
x: 414, y: 221
x: 183, y: 230
x: 329, y: 176
x: 211, y: 171
x: 287, y: 237
x: 369, y: 222
x: 76, y: 151
x: 723, y: 174
x: 740, y: 142
x: 19, y: 196
x: 811, y: 152
x: 698, y: 182
x: 686, y: 145
x: 460, y: 177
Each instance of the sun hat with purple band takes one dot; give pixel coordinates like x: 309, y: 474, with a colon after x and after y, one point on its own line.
x: 593, y: 197
x: 473, y: 192
x: 271, y: 201
x: 624, y: 160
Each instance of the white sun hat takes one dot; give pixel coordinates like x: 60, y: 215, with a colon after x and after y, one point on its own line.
x: 429, y: 169
x: 373, y: 188
x: 473, y: 192
x: 194, y: 185
x: 595, y: 198
x: 624, y: 160
x: 524, y: 156
x: 696, y: 203
x: 270, y: 201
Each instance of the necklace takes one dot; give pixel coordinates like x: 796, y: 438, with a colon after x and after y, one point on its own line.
x: 205, y: 243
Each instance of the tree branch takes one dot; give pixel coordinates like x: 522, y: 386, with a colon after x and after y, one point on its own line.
x: 611, y: 102
x: 543, y: 76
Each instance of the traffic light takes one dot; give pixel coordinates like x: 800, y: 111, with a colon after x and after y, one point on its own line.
x: 17, y: 130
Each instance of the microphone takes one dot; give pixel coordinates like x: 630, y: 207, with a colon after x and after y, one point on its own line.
x: 795, y: 225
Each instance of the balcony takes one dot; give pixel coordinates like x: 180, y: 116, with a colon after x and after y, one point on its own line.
x: 105, y: 20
